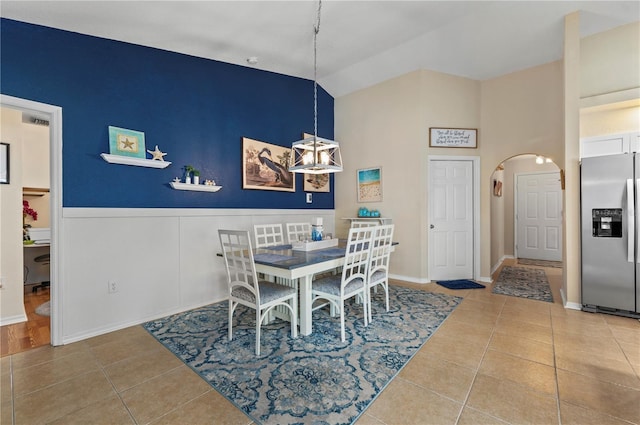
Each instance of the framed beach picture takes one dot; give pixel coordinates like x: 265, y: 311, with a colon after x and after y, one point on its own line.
x: 266, y: 166
x: 126, y: 142
x: 4, y: 163
x: 370, y: 184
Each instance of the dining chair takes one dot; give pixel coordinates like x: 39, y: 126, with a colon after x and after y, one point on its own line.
x: 268, y: 235
x: 353, y: 280
x: 296, y: 231
x: 358, y: 224
x: 379, y: 263
x: 245, y: 288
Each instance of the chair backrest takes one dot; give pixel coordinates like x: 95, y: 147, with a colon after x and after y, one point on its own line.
x: 358, y: 251
x: 381, y: 248
x: 238, y: 260
x: 358, y: 224
x: 295, y: 231
x: 268, y: 235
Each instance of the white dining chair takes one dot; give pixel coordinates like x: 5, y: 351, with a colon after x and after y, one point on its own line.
x: 298, y: 231
x: 363, y: 223
x: 378, y: 273
x: 268, y: 235
x: 245, y: 288
x: 353, y: 280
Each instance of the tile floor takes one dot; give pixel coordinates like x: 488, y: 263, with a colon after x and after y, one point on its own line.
x: 495, y: 360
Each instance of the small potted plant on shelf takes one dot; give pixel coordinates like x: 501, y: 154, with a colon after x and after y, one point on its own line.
x: 196, y: 176
x: 188, y: 171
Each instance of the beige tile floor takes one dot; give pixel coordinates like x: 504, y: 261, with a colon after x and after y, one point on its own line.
x: 495, y: 360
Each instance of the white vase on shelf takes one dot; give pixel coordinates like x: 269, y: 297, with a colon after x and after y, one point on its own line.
x: 187, y: 180
x: 196, y: 179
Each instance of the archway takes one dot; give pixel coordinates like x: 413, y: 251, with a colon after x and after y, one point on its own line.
x: 503, y: 205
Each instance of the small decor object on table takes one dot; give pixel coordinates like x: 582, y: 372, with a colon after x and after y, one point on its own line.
x: 316, y: 230
x: 314, y: 245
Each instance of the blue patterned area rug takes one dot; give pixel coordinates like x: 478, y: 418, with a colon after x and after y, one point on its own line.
x: 314, y: 379
x: 523, y: 282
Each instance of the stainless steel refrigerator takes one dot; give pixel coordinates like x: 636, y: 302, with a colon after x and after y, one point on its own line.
x: 610, y: 196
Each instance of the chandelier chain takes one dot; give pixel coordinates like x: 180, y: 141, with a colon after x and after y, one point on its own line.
x: 316, y: 30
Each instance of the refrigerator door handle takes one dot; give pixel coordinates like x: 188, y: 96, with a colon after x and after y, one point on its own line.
x: 637, y: 217
x: 631, y: 220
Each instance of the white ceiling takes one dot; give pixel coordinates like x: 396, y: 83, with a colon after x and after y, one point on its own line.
x: 360, y: 43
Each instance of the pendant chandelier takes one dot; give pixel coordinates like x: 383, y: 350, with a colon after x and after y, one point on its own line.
x: 315, y: 155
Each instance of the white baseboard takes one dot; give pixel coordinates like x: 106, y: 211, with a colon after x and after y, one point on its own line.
x: 499, y: 263
x: 408, y: 278
x: 569, y: 305
x: 424, y: 281
x: 13, y: 319
x: 97, y: 332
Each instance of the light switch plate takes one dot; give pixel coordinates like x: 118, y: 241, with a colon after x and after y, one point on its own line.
x: 309, y: 198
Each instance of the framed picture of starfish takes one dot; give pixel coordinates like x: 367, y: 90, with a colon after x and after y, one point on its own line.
x: 126, y: 142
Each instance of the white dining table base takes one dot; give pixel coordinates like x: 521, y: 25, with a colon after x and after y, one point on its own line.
x: 304, y: 275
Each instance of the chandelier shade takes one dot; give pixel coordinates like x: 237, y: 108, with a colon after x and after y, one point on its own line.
x: 315, y: 155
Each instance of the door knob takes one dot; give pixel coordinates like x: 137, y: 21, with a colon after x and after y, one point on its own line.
x: 431, y: 226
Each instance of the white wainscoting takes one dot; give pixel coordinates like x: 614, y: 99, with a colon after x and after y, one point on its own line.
x: 163, y: 261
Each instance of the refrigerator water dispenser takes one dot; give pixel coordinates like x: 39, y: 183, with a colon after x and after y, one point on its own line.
x: 607, y: 222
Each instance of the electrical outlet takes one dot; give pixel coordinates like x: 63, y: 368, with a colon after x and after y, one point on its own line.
x: 309, y: 198
x: 112, y: 288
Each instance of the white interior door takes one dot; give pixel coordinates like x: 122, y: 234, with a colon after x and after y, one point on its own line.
x: 539, y: 216
x: 451, y: 220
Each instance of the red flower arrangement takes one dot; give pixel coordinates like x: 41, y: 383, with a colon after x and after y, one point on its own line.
x: 27, y: 210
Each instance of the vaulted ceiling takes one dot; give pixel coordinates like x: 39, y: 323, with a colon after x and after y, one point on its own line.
x: 360, y: 43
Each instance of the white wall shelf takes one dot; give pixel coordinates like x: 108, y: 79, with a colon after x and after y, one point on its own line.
x: 138, y: 162
x: 381, y: 220
x: 195, y: 187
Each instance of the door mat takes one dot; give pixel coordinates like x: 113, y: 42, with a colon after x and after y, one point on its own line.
x: 459, y: 284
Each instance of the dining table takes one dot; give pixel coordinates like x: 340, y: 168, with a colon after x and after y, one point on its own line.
x: 284, y: 262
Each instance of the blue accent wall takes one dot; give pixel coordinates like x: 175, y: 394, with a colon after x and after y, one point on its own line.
x: 197, y: 110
